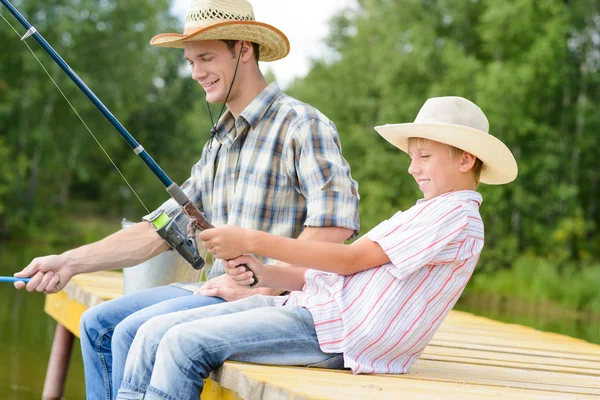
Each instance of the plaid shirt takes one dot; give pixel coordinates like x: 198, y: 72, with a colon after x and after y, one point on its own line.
x: 277, y: 168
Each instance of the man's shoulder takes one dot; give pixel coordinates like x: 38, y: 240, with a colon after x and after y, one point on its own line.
x: 297, y: 111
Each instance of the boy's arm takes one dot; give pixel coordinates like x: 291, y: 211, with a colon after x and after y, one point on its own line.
x: 221, y: 287
x: 228, y: 242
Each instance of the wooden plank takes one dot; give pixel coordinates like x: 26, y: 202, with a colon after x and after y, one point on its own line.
x: 504, y: 377
x: 515, y: 365
x: 214, y: 391
x: 527, y: 361
x: 540, y: 341
x: 64, y: 310
x: 513, y: 349
x: 256, y: 382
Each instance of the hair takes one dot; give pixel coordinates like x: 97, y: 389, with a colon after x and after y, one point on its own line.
x: 231, y: 45
x: 454, y: 153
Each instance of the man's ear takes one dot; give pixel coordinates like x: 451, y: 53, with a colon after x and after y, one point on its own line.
x: 467, y: 161
x: 247, y: 51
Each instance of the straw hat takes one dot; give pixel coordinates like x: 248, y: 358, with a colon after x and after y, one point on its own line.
x: 227, y: 20
x: 460, y: 123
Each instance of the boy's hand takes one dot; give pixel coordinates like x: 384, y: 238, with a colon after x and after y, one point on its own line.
x: 240, y: 275
x: 225, y: 242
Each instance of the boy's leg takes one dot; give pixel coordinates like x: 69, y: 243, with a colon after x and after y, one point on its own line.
x: 99, y: 322
x: 172, y: 355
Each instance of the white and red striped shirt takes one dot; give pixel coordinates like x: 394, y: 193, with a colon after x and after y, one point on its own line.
x: 382, y: 318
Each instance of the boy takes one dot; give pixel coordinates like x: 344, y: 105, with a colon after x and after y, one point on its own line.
x: 373, y: 305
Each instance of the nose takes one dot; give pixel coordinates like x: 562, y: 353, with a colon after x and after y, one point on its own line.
x: 413, y: 168
x: 198, y: 72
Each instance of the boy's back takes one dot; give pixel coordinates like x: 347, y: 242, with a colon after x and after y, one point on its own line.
x: 382, y: 318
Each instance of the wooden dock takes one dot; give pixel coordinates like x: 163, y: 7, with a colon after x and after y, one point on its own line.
x: 470, y: 357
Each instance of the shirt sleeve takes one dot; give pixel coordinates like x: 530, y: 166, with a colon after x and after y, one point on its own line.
x: 322, y: 176
x: 416, y: 238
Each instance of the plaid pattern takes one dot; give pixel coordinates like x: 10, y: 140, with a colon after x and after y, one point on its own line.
x: 276, y: 168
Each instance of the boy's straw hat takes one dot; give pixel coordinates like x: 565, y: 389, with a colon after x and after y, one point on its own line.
x: 227, y: 20
x: 460, y: 123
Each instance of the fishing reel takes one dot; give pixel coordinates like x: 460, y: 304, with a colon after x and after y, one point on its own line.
x: 178, y: 240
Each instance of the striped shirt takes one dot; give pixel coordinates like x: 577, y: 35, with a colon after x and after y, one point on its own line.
x: 277, y: 168
x: 382, y: 318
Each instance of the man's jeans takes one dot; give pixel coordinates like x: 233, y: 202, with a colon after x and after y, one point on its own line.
x: 172, y: 354
x: 107, y: 331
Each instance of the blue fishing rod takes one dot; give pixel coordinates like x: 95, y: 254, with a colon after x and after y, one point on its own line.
x: 183, y: 242
x: 13, y: 279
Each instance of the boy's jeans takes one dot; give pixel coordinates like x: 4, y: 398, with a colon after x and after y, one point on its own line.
x: 108, y: 329
x: 172, y: 354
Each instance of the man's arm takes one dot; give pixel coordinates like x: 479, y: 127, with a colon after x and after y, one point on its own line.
x: 125, y: 248
x: 225, y: 288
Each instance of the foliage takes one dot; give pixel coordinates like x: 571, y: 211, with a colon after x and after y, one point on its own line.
x: 532, y: 66
x: 106, y: 44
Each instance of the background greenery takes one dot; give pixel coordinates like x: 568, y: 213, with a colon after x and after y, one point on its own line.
x: 531, y: 65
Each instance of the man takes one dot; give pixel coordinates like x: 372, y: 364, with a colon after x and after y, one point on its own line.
x: 272, y: 164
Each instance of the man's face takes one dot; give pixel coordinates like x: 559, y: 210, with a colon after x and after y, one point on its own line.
x: 434, y: 169
x: 213, y: 65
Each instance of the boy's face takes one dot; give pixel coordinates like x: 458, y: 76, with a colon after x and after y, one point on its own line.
x: 434, y: 169
x: 213, y: 65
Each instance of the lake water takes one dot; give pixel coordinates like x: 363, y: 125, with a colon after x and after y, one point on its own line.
x: 27, y: 332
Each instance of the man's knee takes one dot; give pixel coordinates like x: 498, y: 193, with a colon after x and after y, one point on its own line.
x: 91, y: 321
x: 125, y: 332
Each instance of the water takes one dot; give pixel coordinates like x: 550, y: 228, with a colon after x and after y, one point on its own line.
x: 27, y: 332
x: 545, y: 317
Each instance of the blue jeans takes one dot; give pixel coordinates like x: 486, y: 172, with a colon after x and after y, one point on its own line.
x: 108, y: 329
x: 172, y: 354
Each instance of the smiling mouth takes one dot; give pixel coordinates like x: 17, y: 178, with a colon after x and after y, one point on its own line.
x: 209, y: 84
x: 422, y: 182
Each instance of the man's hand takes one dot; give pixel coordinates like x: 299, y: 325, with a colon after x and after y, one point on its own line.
x: 226, y: 242
x: 240, y: 275
x: 48, y: 274
x: 226, y: 288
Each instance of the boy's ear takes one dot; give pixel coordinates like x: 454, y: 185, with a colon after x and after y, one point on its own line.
x: 467, y: 161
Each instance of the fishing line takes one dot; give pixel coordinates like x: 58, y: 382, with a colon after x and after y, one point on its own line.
x: 77, y: 113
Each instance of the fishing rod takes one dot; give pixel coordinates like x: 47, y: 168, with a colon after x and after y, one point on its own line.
x: 13, y: 279
x: 166, y: 227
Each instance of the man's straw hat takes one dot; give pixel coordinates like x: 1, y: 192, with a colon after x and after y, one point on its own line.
x: 460, y: 123
x: 227, y: 20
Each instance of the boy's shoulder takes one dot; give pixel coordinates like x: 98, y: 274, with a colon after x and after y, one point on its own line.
x: 463, y: 203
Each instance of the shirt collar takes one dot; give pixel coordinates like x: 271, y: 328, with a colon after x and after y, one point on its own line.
x: 261, y: 103
x: 252, y: 114
x: 464, y: 195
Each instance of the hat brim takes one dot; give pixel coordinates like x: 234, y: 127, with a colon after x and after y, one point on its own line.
x: 499, y: 163
x: 273, y: 44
